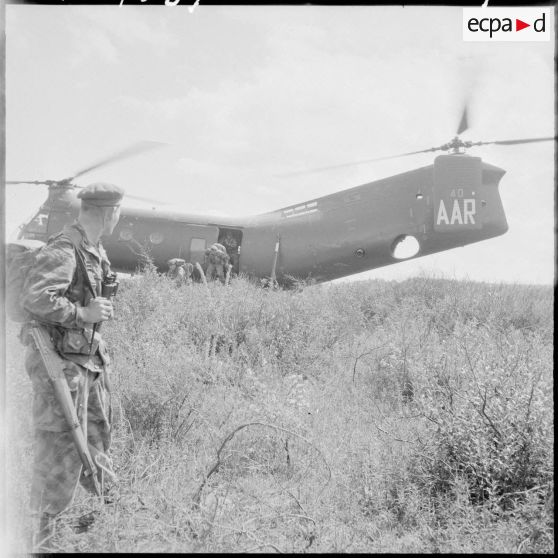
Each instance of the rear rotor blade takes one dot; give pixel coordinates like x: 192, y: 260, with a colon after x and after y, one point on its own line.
x: 464, y: 122
x: 146, y: 200
x: 135, y: 149
x: 515, y: 142
x: 354, y: 163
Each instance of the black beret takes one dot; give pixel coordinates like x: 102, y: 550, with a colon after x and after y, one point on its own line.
x: 101, y: 194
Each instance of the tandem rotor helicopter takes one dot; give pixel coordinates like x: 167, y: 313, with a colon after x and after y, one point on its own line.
x: 448, y: 204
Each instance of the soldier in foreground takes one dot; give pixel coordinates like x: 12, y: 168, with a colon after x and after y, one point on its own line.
x: 62, y: 295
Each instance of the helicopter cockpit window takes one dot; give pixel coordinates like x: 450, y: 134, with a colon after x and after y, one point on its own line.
x: 156, y: 238
x: 37, y: 225
x: 404, y: 247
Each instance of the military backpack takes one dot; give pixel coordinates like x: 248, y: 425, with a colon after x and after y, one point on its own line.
x: 21, y: 256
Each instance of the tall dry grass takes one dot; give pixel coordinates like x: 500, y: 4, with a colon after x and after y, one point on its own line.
x: 361, y: 417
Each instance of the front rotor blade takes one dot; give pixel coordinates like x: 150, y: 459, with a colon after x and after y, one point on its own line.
x: 131, y: 197
x: 27, y: 182
x: 125, y: 153
x: 515, y: 142
x: 354, y: 163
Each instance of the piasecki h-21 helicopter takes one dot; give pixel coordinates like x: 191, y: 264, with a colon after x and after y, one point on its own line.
x: 450, y: 203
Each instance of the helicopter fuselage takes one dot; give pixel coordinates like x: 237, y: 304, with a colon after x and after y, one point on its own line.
x: 450, y: 203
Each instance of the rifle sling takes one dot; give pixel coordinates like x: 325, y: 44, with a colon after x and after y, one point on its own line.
x: 81, y: 264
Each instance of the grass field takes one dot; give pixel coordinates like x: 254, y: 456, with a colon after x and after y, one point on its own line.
x: 360, y: 417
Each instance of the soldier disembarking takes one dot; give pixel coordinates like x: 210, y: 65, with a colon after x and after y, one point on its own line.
x: 176, y: 270
x: 180, y: 271
x: 217, y: 261
x: 232, y: 247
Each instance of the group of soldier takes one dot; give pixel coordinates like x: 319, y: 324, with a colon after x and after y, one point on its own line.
x: 217, y: 265
x: 64, y: 302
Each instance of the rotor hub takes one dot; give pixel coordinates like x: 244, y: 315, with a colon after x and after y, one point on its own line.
x: 456, y: 145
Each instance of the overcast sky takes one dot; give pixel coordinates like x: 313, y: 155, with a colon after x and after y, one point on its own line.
x: 245, y: 93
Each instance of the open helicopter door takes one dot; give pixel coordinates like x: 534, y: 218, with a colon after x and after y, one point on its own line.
x: 457, y: 185
x: 231, y: 239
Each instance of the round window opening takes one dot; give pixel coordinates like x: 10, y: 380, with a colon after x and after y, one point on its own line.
x: 359, y: 252
x: 156, y: 238
x: 404, y: 247
x: 125, y: 234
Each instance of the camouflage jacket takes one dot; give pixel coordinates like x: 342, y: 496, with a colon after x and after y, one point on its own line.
x: 231, y: 243
x: 55, y: 290
x: 215, y: 256
x: 178, y: 274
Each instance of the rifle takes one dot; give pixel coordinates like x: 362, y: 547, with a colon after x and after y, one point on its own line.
x: 54, y: 365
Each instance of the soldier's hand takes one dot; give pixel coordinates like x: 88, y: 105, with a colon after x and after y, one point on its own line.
x: 98, y: 310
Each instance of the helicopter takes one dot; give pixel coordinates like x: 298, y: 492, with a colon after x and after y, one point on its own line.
x: 450, y: 203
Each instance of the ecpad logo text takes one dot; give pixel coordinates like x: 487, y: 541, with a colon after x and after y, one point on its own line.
x: 507, y: 24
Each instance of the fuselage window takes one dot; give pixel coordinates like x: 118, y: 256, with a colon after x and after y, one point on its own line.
x: 197, y: 244
x: 405, y: 246
x: 156, y: 238
x: 125, y: 234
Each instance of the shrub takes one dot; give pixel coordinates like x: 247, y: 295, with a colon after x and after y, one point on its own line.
x: 487, y: 401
